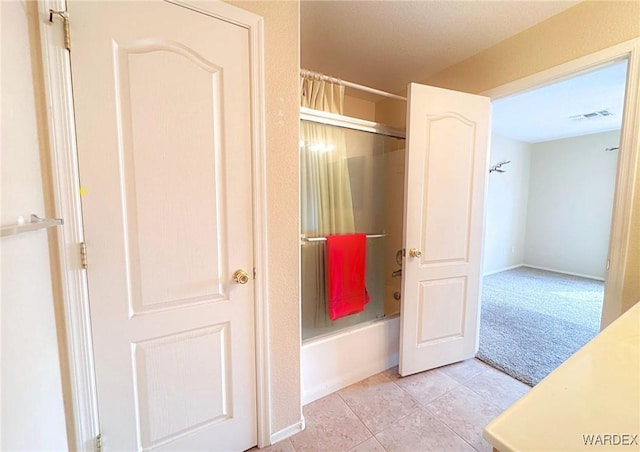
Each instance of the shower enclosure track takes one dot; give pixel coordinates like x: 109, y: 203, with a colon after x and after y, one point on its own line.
x: 333, y: 119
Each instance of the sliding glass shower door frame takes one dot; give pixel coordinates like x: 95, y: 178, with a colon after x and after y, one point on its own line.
x: 348, y: 122
x: 314, y: 320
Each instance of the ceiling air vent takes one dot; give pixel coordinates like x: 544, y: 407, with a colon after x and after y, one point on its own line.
x: 591, y: 115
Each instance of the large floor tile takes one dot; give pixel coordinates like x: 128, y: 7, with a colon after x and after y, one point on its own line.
x: 370, y: 445
x: 427, y: 386
x: 497, y: 387
x: 466, y: 413
x: 392, y: 373
x: 421, y: 431
x: 378, y: 402
x: 330, y: 425
x: 465, y: 370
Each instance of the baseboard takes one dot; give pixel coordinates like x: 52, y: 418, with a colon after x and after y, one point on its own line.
x: 581, y: 275
x: 493, y: 272
x: 338, y: 361
x: 288, y: 431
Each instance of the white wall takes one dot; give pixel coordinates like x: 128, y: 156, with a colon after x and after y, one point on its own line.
x: 507, y: 199
x: 32, y: 409
x: 570, y: 201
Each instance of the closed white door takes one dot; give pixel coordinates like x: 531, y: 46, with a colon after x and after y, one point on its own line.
x: 162, y: 100
x: 446, y: 167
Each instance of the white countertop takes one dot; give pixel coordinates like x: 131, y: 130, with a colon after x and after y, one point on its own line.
x: 595, y: 392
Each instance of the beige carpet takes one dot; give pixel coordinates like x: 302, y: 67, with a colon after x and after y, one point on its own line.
x: 533, y: 320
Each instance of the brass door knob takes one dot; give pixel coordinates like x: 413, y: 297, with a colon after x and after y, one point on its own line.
x: 240, y: 277
x: 413, y: 252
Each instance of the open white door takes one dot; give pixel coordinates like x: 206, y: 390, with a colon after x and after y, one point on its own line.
x: 447, y: 164
x: 163, y: 107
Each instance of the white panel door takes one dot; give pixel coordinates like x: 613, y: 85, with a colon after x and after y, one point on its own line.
x: 446, y: 167
x: 162, y: 99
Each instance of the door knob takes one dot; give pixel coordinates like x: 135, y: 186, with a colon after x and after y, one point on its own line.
x: 413, y: 252
x: 240, y: 277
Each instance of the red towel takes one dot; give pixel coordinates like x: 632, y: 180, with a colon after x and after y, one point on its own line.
x: 346, y: 257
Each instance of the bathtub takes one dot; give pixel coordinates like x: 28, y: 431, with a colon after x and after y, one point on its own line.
x: 333, y: 362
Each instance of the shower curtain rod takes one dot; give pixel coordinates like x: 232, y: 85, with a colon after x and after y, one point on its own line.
x: 326, y: 78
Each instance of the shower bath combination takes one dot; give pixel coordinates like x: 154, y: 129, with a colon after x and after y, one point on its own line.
x: 359, y: 178
x: 345, y: 166
x: 348, y: 170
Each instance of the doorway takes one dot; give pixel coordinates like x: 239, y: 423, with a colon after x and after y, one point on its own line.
x: 554, y: 157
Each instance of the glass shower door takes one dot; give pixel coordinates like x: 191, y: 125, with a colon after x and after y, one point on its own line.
x: 344, y: 190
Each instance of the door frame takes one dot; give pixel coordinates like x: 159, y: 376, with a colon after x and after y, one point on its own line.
x: 80, y: 392
x: 620, y: 235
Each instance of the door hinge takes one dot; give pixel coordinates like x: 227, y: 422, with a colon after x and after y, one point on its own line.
x: 254, y: 273
x: 83, y: 255
x: 65, y: 24
x: 608, y: 264
x: 99, y: 442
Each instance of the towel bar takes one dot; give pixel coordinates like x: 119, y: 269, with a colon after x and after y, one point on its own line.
x: 35, y: 224
x: 324, y: 239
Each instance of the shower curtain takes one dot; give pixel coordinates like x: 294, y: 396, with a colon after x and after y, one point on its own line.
x: 326, y: 203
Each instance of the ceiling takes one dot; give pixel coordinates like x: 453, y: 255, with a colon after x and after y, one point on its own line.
x: 558, y: 110
x: 387, y: 44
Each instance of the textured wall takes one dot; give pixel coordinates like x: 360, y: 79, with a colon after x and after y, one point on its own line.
x: 359, y: 108
x: 586, y: 28
x: 571, y: 189
x: 631, y: 290
x: 282, y: 37
x: 507, y: 199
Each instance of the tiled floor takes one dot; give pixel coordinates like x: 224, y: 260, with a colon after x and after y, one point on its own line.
x: 440, y: 410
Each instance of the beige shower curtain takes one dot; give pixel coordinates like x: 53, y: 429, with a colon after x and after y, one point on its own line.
x: 326, y: 204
